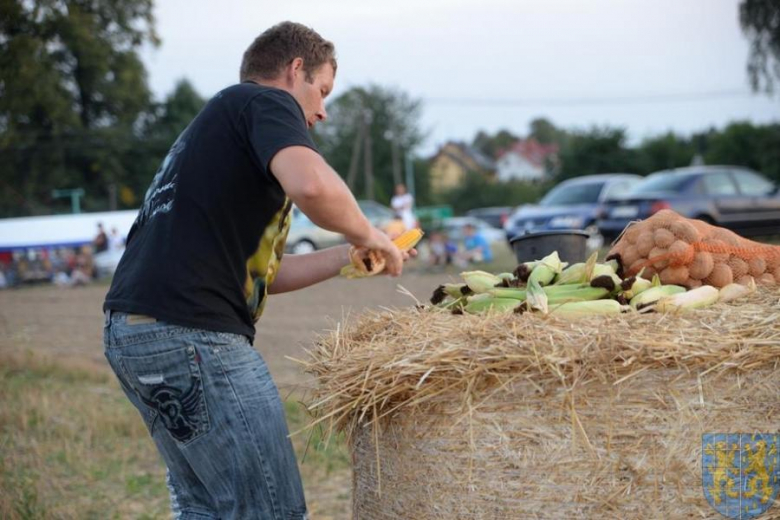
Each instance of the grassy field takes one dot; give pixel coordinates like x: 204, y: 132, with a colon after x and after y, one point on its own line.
x: 73, y: 447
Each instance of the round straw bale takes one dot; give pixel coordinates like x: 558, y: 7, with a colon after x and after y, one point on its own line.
x: 685, y: 230
x: 644, y: 243
x: 701, y: 266
x: 756, y: 266
x: 739, y: 267
x: 658, y: 252
x: 663, y: 237
x: 720, y: 276
x: 767, y: 279
x: 674, y: 275
x: 508, y: 416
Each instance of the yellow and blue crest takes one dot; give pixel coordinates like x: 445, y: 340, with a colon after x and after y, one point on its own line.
x: 740, y: 472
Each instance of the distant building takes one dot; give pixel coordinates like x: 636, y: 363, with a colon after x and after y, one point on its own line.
x: 452, y: 163
x: 526, y: 160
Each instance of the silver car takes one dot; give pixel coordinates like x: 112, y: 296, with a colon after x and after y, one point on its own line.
x: 305, y: 236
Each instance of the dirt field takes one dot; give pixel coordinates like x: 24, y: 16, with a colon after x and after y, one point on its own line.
x: 66, y: 325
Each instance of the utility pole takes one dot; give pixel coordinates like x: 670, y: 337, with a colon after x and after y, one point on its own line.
x: 409, y: 173
x: 392, y: 136
x: 353, y: 162
x: 368, y: 167
x: 112, y: 196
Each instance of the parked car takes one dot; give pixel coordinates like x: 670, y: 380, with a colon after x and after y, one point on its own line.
x: 305, y: 236
x: 453, y: 227
x: 573, y: 204
x: 733, y: 197
x: 378, y: 214
x: 496, y: 216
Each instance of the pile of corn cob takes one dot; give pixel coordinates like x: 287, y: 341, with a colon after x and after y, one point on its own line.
x: 553, y: 287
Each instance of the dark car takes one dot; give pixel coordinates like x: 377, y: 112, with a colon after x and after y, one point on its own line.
x: 573, y: 204
x: 733, y: 197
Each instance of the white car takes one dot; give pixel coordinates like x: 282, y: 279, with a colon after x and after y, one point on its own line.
x: 305, y: 236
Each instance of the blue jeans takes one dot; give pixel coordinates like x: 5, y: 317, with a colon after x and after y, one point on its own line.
x: 215, y: 415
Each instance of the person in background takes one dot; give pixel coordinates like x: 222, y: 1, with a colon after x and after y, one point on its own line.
x: 403, y: 205
x: 100, y: 243
x: 115, y: 241
x: 476, y: 248
x: 440, y: 253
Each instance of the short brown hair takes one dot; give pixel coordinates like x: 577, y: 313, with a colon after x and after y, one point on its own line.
x: 278, y: 46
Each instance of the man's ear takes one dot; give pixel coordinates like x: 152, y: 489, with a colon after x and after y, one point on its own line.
x: 294, y: 70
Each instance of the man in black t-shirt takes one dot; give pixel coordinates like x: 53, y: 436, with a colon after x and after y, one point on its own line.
x: 200, y: 261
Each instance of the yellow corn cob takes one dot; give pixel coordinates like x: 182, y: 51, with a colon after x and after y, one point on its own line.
x: 357, y: 269
x: 408, y: 239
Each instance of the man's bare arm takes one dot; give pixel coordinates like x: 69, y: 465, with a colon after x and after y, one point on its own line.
x: 299, y: 271
x: 324, y: 197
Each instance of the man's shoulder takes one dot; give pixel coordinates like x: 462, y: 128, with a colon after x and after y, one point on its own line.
x: 249, y: 91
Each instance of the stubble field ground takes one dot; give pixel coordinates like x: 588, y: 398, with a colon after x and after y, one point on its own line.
x: 71, y: 446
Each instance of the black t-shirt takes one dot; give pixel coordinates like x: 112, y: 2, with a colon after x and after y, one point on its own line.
x: 210, y: 234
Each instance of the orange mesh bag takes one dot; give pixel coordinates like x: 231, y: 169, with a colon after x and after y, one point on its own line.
x: 692, y: 253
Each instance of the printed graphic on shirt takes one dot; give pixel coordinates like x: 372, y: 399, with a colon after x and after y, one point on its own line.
x: 263, y: 265
x: 159, y: 196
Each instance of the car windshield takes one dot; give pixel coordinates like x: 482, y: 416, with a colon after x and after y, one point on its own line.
x: 587, y: 193
x: 663, y: 182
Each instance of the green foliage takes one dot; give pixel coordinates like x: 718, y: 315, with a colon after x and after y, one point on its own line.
x: 599, y: 150
x: 478, y: 192
x: 389, y: 115
x: 744, y: 144
x: 544, y: 131
x: 72, y: 87
x: 760, y: 21
x: 663, y: 152
x: 491, y: 146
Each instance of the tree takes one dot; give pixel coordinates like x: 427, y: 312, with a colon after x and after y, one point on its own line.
x: 663, y: 152
x: 491, y: 146
x: 760, y: 21
x: 160, y: 127
x: 599, y: 150
x: 369, y: 133
x: 71, y: 88
x: 743, y: 144
x: 478, y: 192
x: 544, y: 131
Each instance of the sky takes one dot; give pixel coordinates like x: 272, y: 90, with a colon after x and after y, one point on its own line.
x: 646, y: 66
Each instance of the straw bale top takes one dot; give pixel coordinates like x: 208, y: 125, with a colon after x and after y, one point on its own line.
x: 392, y: 359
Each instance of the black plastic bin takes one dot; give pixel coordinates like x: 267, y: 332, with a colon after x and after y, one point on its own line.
x: 571, y: 245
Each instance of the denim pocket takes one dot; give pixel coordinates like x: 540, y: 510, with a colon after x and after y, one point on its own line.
x: 170, y: 386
